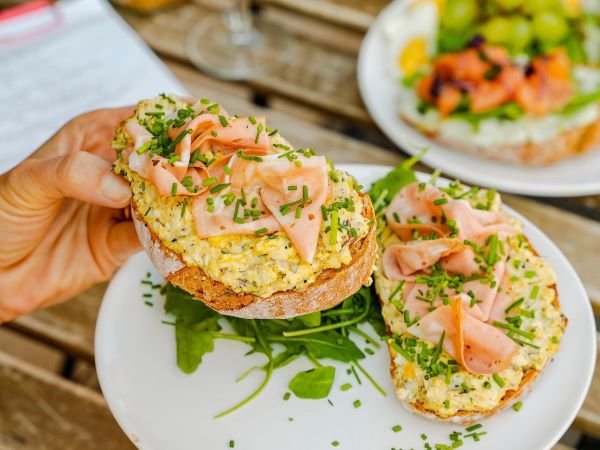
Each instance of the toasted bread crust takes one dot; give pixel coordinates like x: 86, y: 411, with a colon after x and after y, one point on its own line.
x: 562, y: 146
x: 463, y: 417
x: 330, y: 288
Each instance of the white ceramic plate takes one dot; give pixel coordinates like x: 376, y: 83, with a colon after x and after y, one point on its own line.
x: 579, y: 175
x: 161, y: 408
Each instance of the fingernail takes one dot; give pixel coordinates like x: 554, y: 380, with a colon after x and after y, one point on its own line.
x: 115, y: 189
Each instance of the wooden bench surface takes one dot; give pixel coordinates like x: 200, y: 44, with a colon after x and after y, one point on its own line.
x: 310, y: 98
x: 40, y: 410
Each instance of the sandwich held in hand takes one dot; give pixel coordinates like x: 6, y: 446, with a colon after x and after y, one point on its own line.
x: 229, y: 211
x: 471, y: 309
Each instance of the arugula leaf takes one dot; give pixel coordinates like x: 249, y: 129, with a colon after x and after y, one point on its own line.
x: 580, y: 101
x: 184, y: 307
x: 311, y: 319
x: 396, y: 179
x: 314, y: 383
x: 331, y: 345
x: 193, y: 342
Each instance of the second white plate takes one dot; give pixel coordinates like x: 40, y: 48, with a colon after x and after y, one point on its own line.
x: 159, y: 407
x: 579, y: 175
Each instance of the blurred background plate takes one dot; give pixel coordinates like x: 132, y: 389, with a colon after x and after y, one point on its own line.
x: 579, y: 175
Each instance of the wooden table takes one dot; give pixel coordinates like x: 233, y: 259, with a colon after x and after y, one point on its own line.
x: 49, y: 395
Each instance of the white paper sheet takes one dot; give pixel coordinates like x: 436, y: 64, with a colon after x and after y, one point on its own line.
x: 84, y: 57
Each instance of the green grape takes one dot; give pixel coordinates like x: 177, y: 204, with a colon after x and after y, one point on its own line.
x: 509, y: 5
x: 521, y: 33
x: 497, y: 30
x: 549, y: 27
x: 533, y: 6
x: 459, y: 14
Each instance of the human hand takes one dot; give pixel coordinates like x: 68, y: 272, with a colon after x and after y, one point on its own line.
x: 61, y: 225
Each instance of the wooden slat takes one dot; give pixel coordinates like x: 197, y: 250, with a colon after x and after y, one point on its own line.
x: 39, y: 410
x: 561, y: 447
x: 588, y: 419
x: 312, y: 74
x: 357, y: 14
x: 69, y: 326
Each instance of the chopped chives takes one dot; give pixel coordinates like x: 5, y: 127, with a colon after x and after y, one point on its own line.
x: 213, y: 133
x: 213, y: 109
x: 335, y: 443
x: 530, y: 274
x: 275, y: 131
x: 184, y: 207
x: 286, y: 396
x: 396, y: 428
x: 292, y: 187
x: 223, y: 120
x: 334, y: 227
x: 148, y: 295
x: 231, y: 443
x: 218, y: 188
x: 147, y: 211
x: 227, y: 170
x: 252, y: 120
x: 357, y: 403
x: 305, y: 192
x: 396, y: 290
x: 514, y: 304
x: 477, y: 426
x: 209, y: 181
x: 148, y: 303
x: 499, y: 380
x: 440, y: 201
x: 534, y: 292
x: 261, y: 231
x: 514, y: 329
x: 517, y: 406
x: 174, y: 189
x: 345, y: 386
x: 204, y: 101
x: 259, y: 130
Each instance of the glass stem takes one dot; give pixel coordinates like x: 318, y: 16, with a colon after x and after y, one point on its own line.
x: 239, y: 21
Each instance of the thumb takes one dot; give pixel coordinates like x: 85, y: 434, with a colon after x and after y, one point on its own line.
x: 79, y: 175
x: 122, y: 242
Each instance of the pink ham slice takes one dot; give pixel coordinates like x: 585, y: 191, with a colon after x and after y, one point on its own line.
x: 220, y: 221
x: 275, y: 174
x: 476, y: 225
x: 412, y: 204
x: 480, y: 348
x: 402, y: 260
x: 269, y: 179
x: 238, y: 134
x: 417, y: 307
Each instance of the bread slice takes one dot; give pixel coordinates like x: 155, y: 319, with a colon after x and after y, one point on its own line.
x: 330, y: 288
x: 566, y: 144
x: 465, y: 417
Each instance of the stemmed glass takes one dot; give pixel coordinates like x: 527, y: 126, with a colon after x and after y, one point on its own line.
x: 234, y: 46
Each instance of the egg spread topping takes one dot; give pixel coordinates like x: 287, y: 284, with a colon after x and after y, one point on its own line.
x: 234, y: 198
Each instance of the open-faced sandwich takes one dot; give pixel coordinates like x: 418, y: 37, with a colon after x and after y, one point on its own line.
x: 471, y: 309
x: 512, y: 80
x: 229, y: 211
